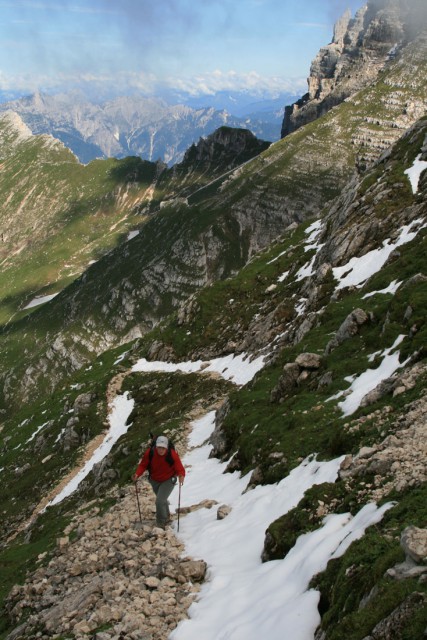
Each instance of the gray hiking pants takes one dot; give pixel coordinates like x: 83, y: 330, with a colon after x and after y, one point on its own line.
x: 162, y: 491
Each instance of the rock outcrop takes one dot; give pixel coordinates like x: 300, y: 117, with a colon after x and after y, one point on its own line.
x: 361, y: 47
x: 225, y: 144
x: 398, y: 462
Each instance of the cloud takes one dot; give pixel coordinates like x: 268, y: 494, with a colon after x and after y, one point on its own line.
x: 90, y: 82
x: 107, y: 85
x: 133, y: 42
x: 33, y: 5
x: 253, y: 82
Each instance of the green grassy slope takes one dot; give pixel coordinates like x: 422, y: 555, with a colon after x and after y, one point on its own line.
x: 58, y: 215
x: 256, y: 310
x: 224, y: 224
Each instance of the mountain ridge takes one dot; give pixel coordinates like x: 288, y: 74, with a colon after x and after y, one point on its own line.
x: 305, y: 266
x: 128, y: 125
x: 290, y: 181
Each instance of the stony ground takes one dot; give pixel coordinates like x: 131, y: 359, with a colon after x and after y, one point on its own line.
x: 398, y: 461
x: 112, y: 576
x: 116, y: 576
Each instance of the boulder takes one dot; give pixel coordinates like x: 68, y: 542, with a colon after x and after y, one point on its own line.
x: 287, y: 381
x: 223, y: 511
x: 309, y: 361
x: 82, y: 403
x: 194, y: 570
x: 414, y: 543
x: 348, y: 329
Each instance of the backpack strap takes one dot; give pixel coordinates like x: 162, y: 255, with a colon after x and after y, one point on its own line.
x: 150, y: 456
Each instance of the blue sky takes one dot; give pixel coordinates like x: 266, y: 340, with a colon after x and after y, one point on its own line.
x: 197, y: 45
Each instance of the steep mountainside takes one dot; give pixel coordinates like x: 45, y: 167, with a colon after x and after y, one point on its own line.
x: 215, y: 231
x: 59, y: 216
x: 145, y: 127
x: 301, y: 266
x: 337, y: 309
x: 361, y: 48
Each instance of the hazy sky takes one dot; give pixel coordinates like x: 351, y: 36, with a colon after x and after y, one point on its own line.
x: 199, y: 45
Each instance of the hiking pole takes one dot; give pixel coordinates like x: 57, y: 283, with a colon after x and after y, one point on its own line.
x: 137, y: 499
x: 179, y: 501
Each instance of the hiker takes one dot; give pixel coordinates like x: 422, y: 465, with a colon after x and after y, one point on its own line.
x: 164, y: 467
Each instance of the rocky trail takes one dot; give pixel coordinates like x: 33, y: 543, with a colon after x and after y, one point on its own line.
x: 113, y: 575
x: 110, y: 571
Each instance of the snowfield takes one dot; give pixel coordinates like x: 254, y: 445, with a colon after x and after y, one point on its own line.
x: 242, y: 595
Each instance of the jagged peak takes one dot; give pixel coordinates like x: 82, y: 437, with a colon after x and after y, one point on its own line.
x: 232, y: 142
x: 228, y: 135
x: 359, y: 50
x: 14, y: 121
x: 340, y: 27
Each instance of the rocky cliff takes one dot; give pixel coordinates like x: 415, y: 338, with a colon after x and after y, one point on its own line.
x: 360, y: 49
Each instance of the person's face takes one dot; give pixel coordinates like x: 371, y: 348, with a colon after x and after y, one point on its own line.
x: 161, y: 451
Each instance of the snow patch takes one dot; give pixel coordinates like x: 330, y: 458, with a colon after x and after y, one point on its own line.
x: 283, y: 276
x: 243, y: 595
x: 121, y: 408
x: 414, y: 172
x: 313, y: 232
x: 283, y: 253
x: 235, y: 368
x: 37, y: 431
x: 369, y: 379
x: 35, y: 302
x: 306, y: 270
x: 392, y: 288
x: 358, y: 270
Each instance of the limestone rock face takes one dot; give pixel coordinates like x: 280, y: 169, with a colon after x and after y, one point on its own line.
x: 414, y: 543
x: 361, y: 47
x: 349, y: 327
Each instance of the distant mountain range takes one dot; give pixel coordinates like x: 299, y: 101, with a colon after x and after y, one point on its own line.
x: 151, y: 128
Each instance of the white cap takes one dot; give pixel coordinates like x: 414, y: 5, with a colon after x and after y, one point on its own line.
x: 162, y: 441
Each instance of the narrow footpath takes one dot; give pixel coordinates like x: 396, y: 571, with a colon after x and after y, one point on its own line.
x: 110, y: 571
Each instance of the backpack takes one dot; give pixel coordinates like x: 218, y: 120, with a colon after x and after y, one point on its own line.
x: 168, y: 456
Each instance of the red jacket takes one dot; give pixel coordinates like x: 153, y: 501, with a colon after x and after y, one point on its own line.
x: 160, y: 469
